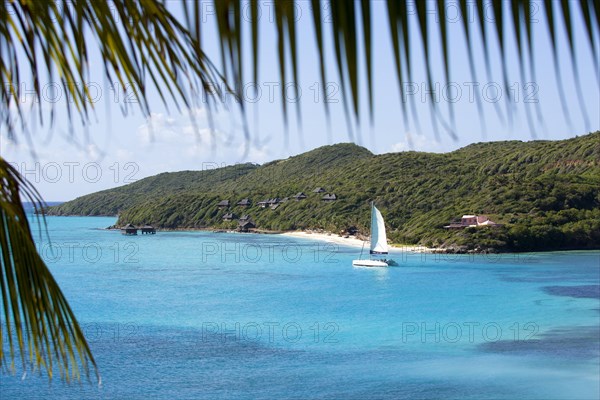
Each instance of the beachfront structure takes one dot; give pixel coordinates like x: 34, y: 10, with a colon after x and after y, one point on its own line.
x: 148, y: 230
x: 329, y: 197
x: 319, y: 190
x: 300, y: 196
x: 229, y: 217
x: 129, y: 230
x: 244, y: 203
x: 470, y: 221
x: 223, y: 204
x: 245, y: 226
x: 244, y: 217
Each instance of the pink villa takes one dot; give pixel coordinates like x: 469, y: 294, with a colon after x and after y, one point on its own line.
x: 468, y: 221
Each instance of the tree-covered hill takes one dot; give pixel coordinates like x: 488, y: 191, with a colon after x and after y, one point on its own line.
x: 114, y: 201
x: 546, y: 193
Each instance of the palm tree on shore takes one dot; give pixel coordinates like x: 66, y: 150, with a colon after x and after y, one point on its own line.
x: 144, y: 44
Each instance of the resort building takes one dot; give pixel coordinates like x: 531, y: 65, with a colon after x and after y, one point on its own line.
x: 148, y: 230
x: 245, y: 226
x: 223, y: 204
x: 129, y: 230
x: 229, y: 217
x: 300, y: 196
x: 329, y: 197
x: 469, y: 221
x: 319, y: 190
x: 244, y: 203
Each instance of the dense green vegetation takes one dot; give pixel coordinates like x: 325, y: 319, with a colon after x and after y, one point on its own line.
x: 546, y: 193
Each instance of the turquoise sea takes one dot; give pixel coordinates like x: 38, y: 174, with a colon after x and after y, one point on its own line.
x: 202, y: 315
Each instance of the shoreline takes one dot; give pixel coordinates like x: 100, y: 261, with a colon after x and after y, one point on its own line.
x: 353, y: 241
x: 328, y: 237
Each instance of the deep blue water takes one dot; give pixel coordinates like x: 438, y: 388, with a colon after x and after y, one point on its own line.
x: 216, y: 315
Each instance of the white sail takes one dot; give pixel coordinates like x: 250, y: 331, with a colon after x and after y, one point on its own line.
x: 378, y: 239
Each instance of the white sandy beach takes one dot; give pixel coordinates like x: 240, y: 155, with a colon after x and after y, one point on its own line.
x: 352, y: 241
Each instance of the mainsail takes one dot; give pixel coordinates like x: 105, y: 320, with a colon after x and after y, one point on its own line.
x: 378, y: 239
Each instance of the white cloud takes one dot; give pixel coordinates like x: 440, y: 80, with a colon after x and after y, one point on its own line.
x: 253, y: 153
x: 92, y: 152
x: 417, y: 142
x: 158, y: 127
x: 191, y: 136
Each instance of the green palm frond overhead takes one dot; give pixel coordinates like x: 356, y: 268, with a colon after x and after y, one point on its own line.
x: 40, y: 327
x: 144, y: 44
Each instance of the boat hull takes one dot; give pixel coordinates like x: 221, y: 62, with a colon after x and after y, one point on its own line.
x: 369, y: 263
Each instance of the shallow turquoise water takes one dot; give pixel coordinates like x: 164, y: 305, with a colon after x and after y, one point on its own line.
x: 215, y: 315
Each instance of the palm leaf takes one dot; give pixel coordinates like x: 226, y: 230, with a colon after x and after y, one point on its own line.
x: 552, y: 29
x: 566, y: 13
x: 37, y: 316
x: 316, y: 13
x: 468, y: 37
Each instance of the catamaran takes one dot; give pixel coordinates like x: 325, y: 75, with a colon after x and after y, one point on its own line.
x: 379, y: 244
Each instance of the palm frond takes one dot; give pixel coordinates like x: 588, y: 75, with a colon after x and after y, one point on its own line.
x: 39, y: 324
x: 141, y: 42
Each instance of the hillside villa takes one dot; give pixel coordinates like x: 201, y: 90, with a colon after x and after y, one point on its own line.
x: 470, y: 221
x: 223, y: 204
x: 329, y: 197
x: 300, y: 196
x: 229, y: 217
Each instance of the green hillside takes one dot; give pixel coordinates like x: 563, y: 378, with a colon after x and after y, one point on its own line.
x: 546, y: 193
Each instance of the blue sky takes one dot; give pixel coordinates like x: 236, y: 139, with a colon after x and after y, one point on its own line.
x: 116, y: 149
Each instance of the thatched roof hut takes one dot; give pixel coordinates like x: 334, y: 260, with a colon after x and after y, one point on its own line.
x: 329, y: 197
x: 300, y: 196
x: 244, y: 203
x: 223, y: 204
x: 229, y: 217
x: 148, y: 230
x: 129, y: 229
x: 245, y: 226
